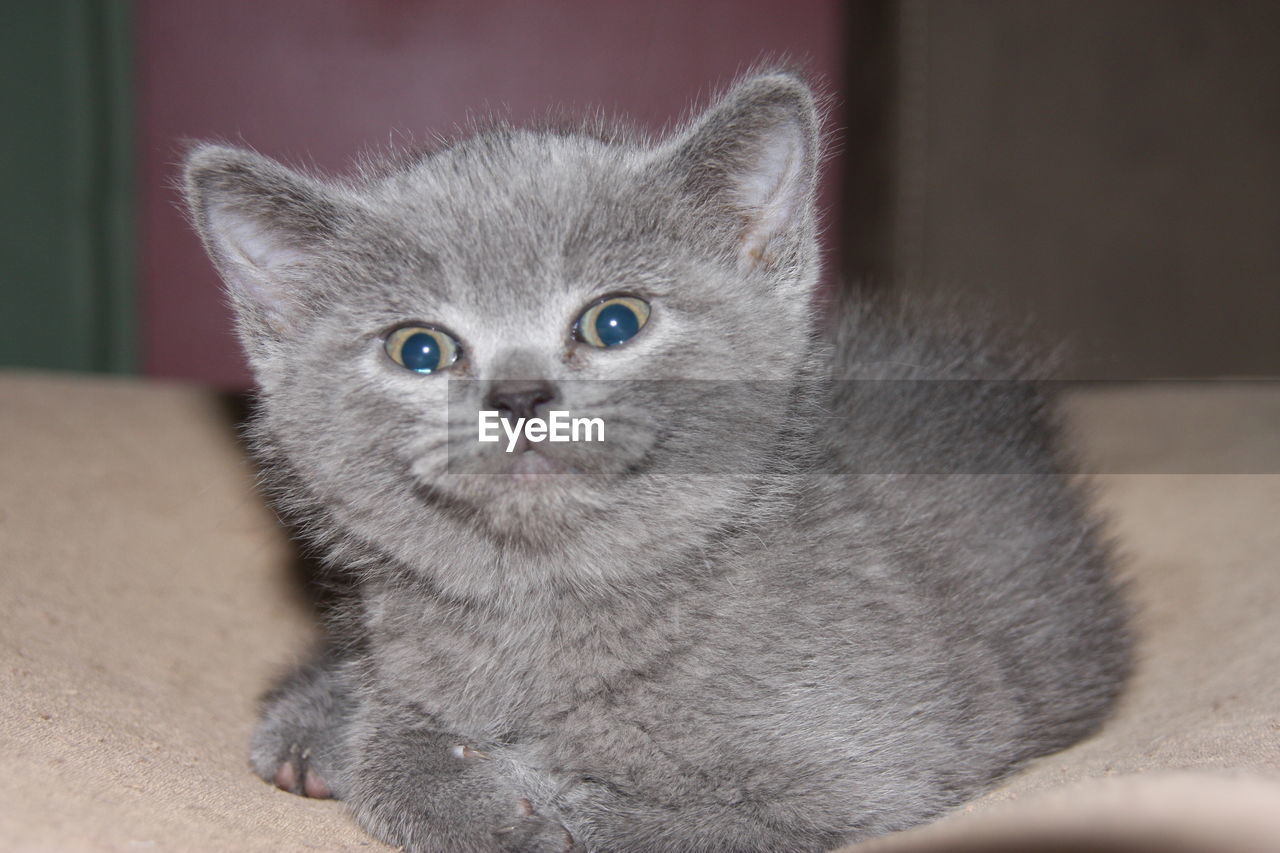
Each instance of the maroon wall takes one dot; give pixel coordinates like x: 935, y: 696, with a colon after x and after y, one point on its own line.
x: 317, y: 81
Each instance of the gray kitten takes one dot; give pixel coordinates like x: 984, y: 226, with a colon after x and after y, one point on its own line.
x: 778, y: 609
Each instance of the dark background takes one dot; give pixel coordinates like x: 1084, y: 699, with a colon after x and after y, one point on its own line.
x: 1109, y: 169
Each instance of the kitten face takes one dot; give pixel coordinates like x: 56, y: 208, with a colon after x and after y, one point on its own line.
x: 502, y: 242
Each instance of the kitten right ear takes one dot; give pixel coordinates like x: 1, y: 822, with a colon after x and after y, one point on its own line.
x: 752, y: 158
x: 260, y: 223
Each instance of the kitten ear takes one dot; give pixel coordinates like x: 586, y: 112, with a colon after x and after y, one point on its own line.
x: 260, y: 223
x: 754, y: 157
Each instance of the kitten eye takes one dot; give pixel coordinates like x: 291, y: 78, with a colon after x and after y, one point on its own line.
x: 612, y: 321
x: 421, y: 349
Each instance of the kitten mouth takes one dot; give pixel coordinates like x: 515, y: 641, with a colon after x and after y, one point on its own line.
x: 530, y: 464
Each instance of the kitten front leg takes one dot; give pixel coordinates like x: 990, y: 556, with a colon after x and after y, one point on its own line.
x: 616, y: 818
x: 298, y: 743
x: 423, y: 789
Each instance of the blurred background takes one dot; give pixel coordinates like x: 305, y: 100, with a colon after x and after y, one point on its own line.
x: 1109, y: 169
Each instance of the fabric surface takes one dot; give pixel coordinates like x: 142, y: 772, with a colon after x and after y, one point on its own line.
x: 147, y: 598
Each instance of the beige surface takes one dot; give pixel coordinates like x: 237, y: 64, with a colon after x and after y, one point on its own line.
x: 146, y: 598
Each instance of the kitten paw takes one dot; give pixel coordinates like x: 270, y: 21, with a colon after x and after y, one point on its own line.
x: 530, y: 832
x: 296, y: 775
x: 297, y: 745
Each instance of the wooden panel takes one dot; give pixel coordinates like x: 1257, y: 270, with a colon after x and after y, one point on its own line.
x: 1111, y: 168
x: 318, y: 80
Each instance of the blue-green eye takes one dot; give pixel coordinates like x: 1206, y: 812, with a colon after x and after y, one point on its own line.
x: 421, y: 349
x: 612, y: 321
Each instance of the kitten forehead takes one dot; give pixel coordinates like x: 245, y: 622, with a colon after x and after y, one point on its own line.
x: 516, y: 184
x: 511, y: 220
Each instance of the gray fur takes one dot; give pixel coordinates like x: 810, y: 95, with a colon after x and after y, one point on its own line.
x: 670, y: 650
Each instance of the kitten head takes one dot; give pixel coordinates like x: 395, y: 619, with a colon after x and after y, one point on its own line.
x: 524, y: 272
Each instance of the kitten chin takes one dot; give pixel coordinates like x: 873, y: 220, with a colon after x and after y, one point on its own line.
x: 530, y: 467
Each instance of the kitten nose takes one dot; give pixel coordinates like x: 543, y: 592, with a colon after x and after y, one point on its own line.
x: 520, y: 398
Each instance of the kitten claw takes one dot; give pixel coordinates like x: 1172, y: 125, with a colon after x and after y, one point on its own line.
x: 465, y: 752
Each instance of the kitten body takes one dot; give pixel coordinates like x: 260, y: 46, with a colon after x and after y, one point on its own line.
x: 802, y: 596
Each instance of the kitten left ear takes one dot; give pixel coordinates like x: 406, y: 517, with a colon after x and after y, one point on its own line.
x: 753, y: 157
x: 261, y: 223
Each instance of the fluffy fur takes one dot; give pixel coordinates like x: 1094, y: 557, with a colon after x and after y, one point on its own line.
x: 810, y: 591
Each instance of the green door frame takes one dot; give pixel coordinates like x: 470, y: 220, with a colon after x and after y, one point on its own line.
x: 68, y: 294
